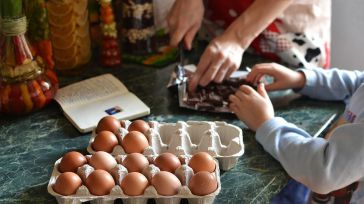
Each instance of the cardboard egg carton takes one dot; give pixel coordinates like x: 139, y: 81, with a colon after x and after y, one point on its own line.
x: 184, y: 173
x: 220, y: 139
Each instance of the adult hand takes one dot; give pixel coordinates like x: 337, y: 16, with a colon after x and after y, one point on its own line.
x: 184, y: 20
x: 220, y: 59
x: 252, y: 107
x: 284, y: 78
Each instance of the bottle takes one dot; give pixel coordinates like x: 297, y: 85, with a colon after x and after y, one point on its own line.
x: 110, y: 52
x: 69, y: 29
x: 137, y: 26
x: 38, y: 31
x: 26, y: 84
x: 144, y: 31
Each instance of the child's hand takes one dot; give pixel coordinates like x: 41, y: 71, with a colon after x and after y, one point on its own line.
x: 284, y: 78
x: 252, y: 107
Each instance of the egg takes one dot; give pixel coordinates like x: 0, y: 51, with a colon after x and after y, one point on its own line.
x: 166, y: 183
x: 167, y: 162
x: 202, y: 183
x: 71, y: 161
x: 100, y: 182
x: 67, y: 183
x: 105, y: 141
x: 140, y: 126
x: 108, y: 123
x: 102, y: 160
x: 134, y: 184
x: 135, y: 162
x: 202, y: 161
x: 133, y: 142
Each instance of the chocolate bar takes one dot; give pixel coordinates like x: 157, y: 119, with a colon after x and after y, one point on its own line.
x: 214, y: 97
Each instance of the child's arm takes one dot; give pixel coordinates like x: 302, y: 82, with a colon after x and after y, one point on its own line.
x: 333, y: 84
x: 321, y: 165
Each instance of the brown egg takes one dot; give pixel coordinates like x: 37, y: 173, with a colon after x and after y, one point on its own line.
x: 102, y: 160
x: 108, y: 123
x: 203, y: 183
x: 202, y: 161
x: 167, y: 162
x: 134, y: 141
x: 105, y: 141
x: 135, y: 162
x: 139, y: 125
x: 166, y: 183
x: 67, y: 183
x: 100, y: 182
x: 134, y: 184
x: 71, y: 161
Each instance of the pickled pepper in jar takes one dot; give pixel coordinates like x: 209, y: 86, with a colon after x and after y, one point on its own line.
x: 38, y: 31
x: 26, y: 84
x: 110, y: 52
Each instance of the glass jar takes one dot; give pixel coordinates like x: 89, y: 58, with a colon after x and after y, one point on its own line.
x: 69, y: 29
x: 110, y: 52
x: 25, y: 82
x: 145, y: 36
x: 137, y: 26
x: 38, y: 31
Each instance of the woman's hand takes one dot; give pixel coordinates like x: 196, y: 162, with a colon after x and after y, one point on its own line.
x: 184, y: 20
x: 220, y: 59
x: 252, y: 107
x: 284, y: 78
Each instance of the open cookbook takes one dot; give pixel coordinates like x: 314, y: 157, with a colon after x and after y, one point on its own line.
x: 84, y: 103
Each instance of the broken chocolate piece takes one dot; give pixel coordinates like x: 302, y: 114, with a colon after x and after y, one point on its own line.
x: 205, y: 106
x: 214, y: 97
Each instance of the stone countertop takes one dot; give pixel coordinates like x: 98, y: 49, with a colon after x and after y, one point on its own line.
x: 30, y: 145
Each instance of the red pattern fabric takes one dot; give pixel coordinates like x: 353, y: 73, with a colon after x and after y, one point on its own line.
x: 271, y: 41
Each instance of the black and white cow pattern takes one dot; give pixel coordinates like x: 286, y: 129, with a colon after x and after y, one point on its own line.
x: 305, y: 51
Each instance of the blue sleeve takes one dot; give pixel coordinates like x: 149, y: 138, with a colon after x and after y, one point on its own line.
x: 333, y: 84
x: 322, y: 165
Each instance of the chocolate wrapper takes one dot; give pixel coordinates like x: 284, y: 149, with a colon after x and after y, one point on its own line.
x: 212, y: 98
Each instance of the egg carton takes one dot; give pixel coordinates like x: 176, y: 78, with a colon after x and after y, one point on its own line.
x: 119, y: 172
x: 220, y: 139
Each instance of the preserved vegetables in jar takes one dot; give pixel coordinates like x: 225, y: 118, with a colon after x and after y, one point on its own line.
x: 110, y: 52
x: 70, y: 35
x: 26, y: 84
x: 38, y: 31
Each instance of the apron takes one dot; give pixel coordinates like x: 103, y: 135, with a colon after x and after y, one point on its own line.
x: 300, y: 37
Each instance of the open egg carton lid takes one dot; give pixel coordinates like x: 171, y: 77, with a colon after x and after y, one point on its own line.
x: 220, y: 139
x: 118, y: 173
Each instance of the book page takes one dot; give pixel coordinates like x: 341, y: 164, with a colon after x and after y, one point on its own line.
x: 90, y: 90
x: 126, y: 107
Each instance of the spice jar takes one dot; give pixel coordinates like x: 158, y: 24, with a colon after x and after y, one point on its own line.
x: 69, y: 29
x: 25, y: 82
x: 137, y: 26
x: 144, y: 32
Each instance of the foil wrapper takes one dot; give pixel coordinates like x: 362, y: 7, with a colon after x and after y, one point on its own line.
x: 212, y: 98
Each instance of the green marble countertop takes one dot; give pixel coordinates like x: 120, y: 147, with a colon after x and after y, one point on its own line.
x: 30, y: 145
